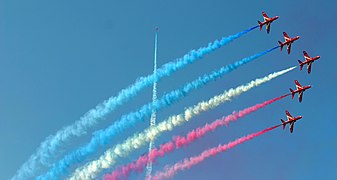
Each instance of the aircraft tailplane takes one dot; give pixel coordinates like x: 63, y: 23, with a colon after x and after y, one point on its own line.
x: 292, y: 93
x: 301, y: 65
x: 283, y: 123
x: 260, y: 23
x: 281, y: 44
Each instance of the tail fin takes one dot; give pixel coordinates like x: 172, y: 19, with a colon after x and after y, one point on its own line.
x: 292, y: 93
x: 283, y: 123
x: 301, y: 65
x: 281, y: 44
x: 260, y: 23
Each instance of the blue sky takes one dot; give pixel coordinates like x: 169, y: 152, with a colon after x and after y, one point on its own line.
x: 58, y: 59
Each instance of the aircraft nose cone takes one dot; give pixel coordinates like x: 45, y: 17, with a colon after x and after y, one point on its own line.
x: 300, y: 117
x: 276, y: 17
x: 319, y: 57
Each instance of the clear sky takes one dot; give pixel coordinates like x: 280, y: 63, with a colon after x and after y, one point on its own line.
x: 58, y: 59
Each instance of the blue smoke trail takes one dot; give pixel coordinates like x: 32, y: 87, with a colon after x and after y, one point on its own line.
x: 102, y: 137
x: 49, y: 147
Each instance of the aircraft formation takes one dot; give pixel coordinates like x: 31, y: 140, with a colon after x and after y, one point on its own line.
x: 308, y: 61
x: 96, y: 166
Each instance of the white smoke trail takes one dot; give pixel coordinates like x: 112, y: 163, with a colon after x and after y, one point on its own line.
x: 109, y: 158
x: 154, y: 98
x: 102, y: 136
x: 50, y: 146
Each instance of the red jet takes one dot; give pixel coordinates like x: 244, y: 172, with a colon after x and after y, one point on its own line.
x: 299, y: 89
x: 291, y: 120
x: 308, y: 60
x: 288, y: 41
x: 266, y: 21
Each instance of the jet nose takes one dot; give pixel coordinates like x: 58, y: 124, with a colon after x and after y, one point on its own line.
x: 276, y: 17
x: 297, y: 37
x: 319, y: 57
x: 300, y: 117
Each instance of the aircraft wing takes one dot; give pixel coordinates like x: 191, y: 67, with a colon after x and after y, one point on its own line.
x: 265, y: 16
x: 288, y: 48
x: 300, y: 96
x: 309, y: 67
x: 292, y: 127
x: 298, y: 85
x: 286, y: 37
x: 306, y: 56
x: 268, y: 27
x: 289, y: 116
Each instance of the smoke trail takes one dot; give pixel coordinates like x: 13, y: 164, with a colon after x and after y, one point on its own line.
x: 188, y: 163
x: 180, y: 141
x: 49, y: 147
x: 121, y: 150
x: 154, y: 98
x: 101, y: 137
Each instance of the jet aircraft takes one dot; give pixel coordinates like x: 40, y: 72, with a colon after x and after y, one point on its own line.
x: 299, y: 89
x: 308, y: 60
x: 267, y: 21
x: 288, y: 41
x: 290, y: 120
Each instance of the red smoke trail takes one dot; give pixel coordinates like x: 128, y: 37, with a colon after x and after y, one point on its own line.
x: 187, y: 163
x: 180, y: 141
